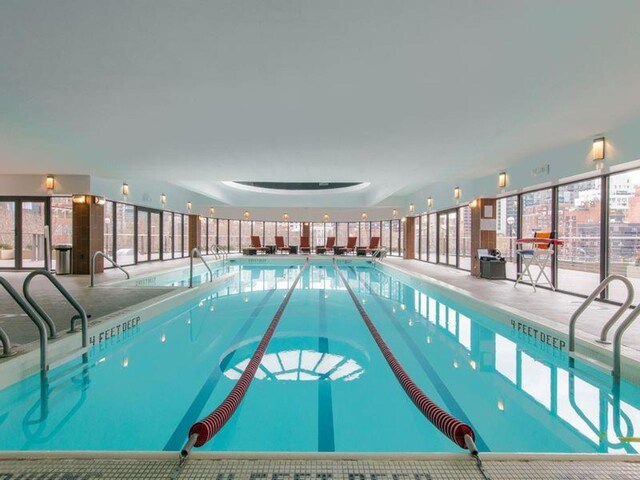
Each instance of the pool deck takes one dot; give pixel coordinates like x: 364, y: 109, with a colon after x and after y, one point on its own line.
x: 373, y: 467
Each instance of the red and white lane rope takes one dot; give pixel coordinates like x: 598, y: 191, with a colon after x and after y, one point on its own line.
x: 459, y: 432
x: 204, y: 430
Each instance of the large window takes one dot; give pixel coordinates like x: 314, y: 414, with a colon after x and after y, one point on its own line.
x: 507, y: 232
x: 234, y: 235
x: 7, y: 234
x: 464, y: 241
x: 212, y: 233
x: 317, y: 234
x: 109, y: 225
x: 354, y: 231
x: 143, y: 236
x: 125, y: 234
x: 578, y: 259
x: 385, y: 239
x: 177, y: 235
x: 537, y: 217
x: 396, y: 238
x: 269, y: 233
x: 257, y: 228
x: 167, y: 235
x: 282, y: 230
x: 424, y: 236
x: 223, y: 233
x: 365, y: 233
x: 154, y: 235
x: 624, y: 232
x: 245, y: 230
x: 295, y: 230
x: 203, y: 243
x: 342, y: 233
x: 432, y: 246
x: 375, y: 229
x: 416, y: 239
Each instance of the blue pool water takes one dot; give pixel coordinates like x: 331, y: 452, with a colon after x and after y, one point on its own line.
x: 323, y: 385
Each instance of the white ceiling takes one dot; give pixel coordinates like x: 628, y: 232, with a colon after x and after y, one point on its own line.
x: 396, y: 93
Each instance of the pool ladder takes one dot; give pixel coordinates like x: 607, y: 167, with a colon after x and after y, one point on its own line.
x: 43, y: 322
x: 100, y: 253
x: 617, y: 339
x: 219, y: 253
x: 197, y: 253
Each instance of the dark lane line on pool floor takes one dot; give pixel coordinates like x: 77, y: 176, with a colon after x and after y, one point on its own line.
x: 326, y: 437
x: 452, y: 404
x: 179, y: 435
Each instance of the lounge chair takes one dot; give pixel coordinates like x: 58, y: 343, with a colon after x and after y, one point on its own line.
x: 374, y: 243
x: 280, y: 246
x: 255, y: 243
x: 351, y: 246
x: 305, y: 246
x: 331, y: 241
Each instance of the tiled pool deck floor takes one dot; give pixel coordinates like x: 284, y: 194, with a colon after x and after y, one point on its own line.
x: 313, y: 469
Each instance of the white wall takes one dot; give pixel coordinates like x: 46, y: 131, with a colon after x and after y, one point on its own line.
x: 565, y: 162
x: 34, y: 185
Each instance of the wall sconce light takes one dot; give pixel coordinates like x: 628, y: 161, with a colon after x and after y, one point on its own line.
x: 502, y: 179
x: 473, y: 203
x: 403, y: 219
x: 285, y: 217
x: 306, y: 224
x: 429, y: 202
x: 163, y: 199
x: 394, y: 213
x: 125, y: 190
x: 79, y: 199
x: 598, y: 149
x: 246, y: 214
x: 456, y: 193
x: 326, y: 217
x: 412, y: 208
x: 212, y: 211
x: 189, y: 207
x: 99, y: 200
x: 364, y: 215
x: 50, y: 182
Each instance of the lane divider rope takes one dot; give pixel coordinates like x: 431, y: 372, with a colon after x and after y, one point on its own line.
x: 459, y: 432
x: 204, y: 430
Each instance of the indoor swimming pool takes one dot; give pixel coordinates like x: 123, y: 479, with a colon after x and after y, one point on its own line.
x: 322, y: 385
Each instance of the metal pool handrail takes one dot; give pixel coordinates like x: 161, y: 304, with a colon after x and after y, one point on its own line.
x: 199, y: 254
x: 204, y: 430
x: 100, y: 253
x: 607, y: 326
x: 457, y: 431
x: 72, y: 301
x: 42, y: 330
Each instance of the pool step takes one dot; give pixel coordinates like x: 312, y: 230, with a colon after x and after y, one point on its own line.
x: 598, y: 365
x: 70, y: 356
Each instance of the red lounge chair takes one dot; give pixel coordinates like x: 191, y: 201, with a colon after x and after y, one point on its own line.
x: 305, y: 247
x: 331, y: 241
x: 280, y: 246
x: 255, y: 243
x: 351, y: 246
x: 373, y: 246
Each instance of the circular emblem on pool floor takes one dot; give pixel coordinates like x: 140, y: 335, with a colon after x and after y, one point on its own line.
x: 299, y: 359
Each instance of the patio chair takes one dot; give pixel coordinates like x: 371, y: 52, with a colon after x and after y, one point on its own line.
x: 350, y: 247
x: 280, y: 246
x: 374, y: 243
x: 328, y: 246
x: 255, y: 243
x: 536, y: 251
x: 305, y: 246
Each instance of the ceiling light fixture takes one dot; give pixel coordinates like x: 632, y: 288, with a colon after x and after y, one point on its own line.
x: 598, y: 149
x: 364, y: 215
x: 285, y: 217
x: 502, y: 179
x: 50, y: 182
x: 326, y: 217
x: 246, y: 214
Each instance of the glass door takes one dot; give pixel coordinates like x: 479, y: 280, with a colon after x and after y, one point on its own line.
x: 142, y: 246
x: 8, y: 256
